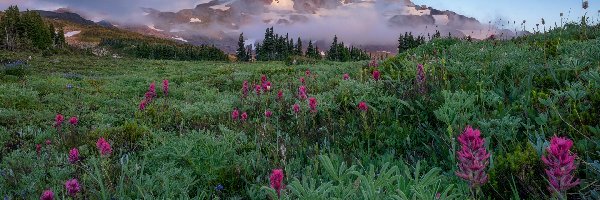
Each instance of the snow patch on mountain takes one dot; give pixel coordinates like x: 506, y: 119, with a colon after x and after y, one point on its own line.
x: 195, y: 20
x: 72, y: 33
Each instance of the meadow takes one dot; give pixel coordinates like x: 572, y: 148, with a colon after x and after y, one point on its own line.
x: 522, y: 114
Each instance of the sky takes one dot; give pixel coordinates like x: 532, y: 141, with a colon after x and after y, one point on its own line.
x: 499, y: 11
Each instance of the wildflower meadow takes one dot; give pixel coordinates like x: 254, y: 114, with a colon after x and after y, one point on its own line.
x: 450, y: 119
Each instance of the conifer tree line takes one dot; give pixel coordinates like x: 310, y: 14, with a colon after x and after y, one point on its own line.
x: 28, y: 31
x: 408, y: 41
x: 161, y: 50
x: 275, y: 47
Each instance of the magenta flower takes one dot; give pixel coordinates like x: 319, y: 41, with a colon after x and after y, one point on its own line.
x: 560, y: 163
x: 346, y: 76
x: 263, y: 78
x: 307, y: 73
x: 267, y: 86
x: 473, y: 158
x: 296, y: 108
x: 165, y: 87
x: 73, y: 120
x: 48, y: 142
x: 280, y: 95
x: 362, y: 106
x: 268, y: 113
x: 244, y: 116
x: 58, y: 120
x: 235, y: 114
x: 73, y: 155
x: 245, y: 89
x: 420, y: 79
x: 72, y: 187
x: 152, y: 88
x: 143, y: 104
x: 312, y: 103
x: 257, y: 89
x: 47, y: 195
x: 104, y: 147
x: 302, y: 80
x: 376, y: 75
x: 302, y: 92
x: 276, y: 180
x: 373, y: 63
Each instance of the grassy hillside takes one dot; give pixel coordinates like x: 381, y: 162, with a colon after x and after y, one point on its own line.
x: 400, y: 144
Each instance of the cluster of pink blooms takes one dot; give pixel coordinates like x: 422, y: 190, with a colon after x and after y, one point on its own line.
x: 312, y: 103
x: 376, y: 75
x: 277, y: 180
x: 473, y: 158
x: 560, y: 163
x: 420, y: 79
x: 280, y: 95
x: 302, y: 80
x: 73, y: 155
x: 268, y: 114
x: 103, y: 147
x: 346, y: 76
x: 165, y: 87
x: 296, y: 108
x: 235, y: 115
x: 72, y: 187
x: 245, y: 89
x: 302, y: 92
x: 362, y: 106
x: 373, y: 63
x: 47, y: 195
x: 151, y: 93
x: 266, y: 85
x: 60, y: 119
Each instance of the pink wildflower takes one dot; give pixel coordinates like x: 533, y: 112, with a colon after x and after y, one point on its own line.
x: 267, y: 86
x: 280, y: 95
x: 473, y: 157
x: 72, y: 187
x: 307, y: 73
x: 143, y: 104
x: 165, y: 87
x: 302, y: 80
x: 58, y: 120
x: 245, y: 89
x: 73, y: 155
x: 296, y: 108
x: 312, y: 102
x: 560, y: 163
x: 48, y: 142
x: 276, y: 180
x: 420, y: 79
x: 257, y: 89
x: 235, y: 114
x: 73, y: 120
x: 376, y: 75
x: 152, y: 88
x: 263, y: 78
x: 47, y: 195
x: 302, y: 92
x: 346, y: 76
x: 268, y: 113
x: 244, y: 116
x: 362, y: 106
x: 104, y: 147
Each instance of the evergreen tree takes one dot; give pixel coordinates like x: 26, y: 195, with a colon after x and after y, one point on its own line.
x: 310, y: 50
x: 299, y: 49
x: 10, y: 25
x: 60, y: 38
x: 241, y: 54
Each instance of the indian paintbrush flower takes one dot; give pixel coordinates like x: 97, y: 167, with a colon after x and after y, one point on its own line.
x: 268, y: 113
x: 312, y: 103
x: 280, y: 95
x: 420, y: 79
x: 362, y: 106
x: 376, y: 75
x: 72, y: 187
x: 296, y: 108
x: 245, y: 89
x: 58, y: 120
x: 302, y: 92
x: 276, y: 179
x: 103, y: 147
x: 47, y: 195
x: 346, y: 76
x: 235, y: 114
x: 73, y: 155
x: 244, y: 116
x: 560, y: 163
x: 73, y: 121
x: 473, y: 158
x: 165, y: 87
